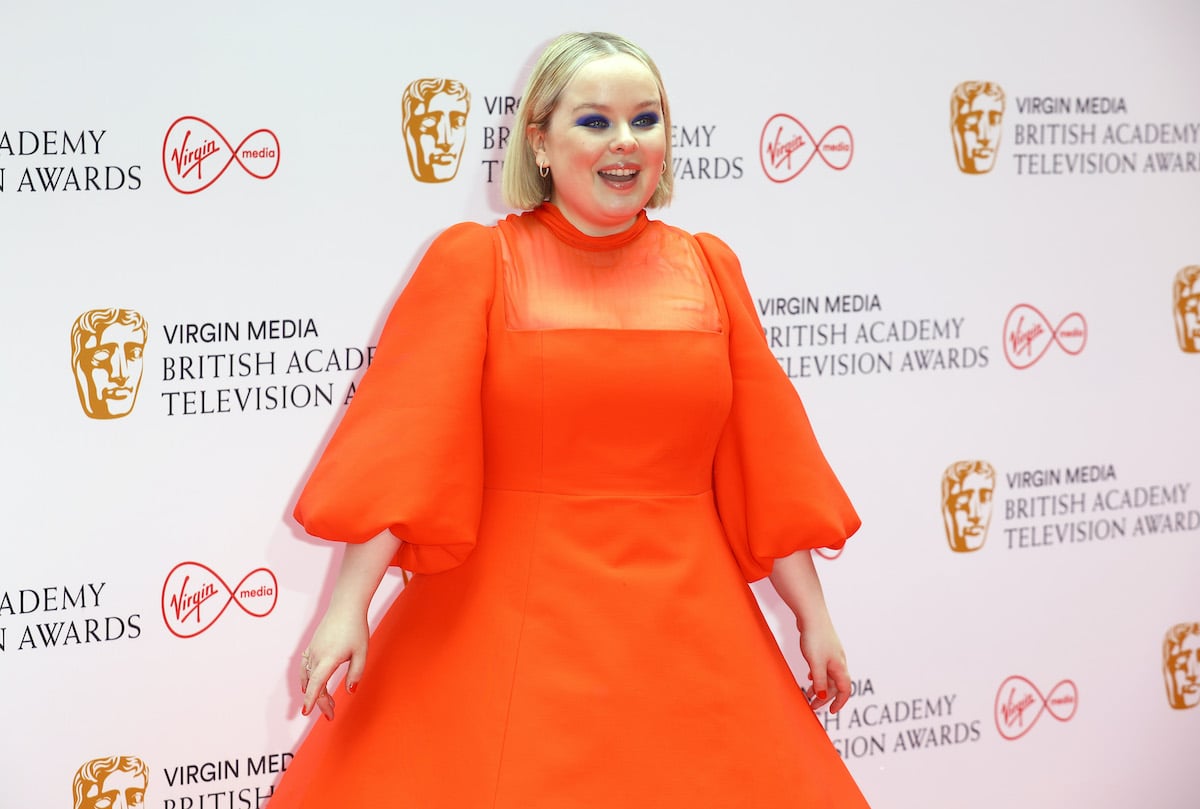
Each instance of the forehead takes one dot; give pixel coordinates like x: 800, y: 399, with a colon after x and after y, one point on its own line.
x: 982, y: 102
x: 120, y: 333
x: 609, y: 80
x: 122, y: 780
x: 441, y: 101
x: 976, y: 480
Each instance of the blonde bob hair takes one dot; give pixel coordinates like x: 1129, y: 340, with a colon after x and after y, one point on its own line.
x: 523, y: 187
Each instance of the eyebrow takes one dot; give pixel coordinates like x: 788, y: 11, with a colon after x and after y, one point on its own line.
x: 593, y: 105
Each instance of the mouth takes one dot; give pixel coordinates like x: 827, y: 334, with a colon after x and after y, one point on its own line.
x: 619, y: 176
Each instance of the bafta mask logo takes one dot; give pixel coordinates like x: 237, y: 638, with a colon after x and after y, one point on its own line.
x: 1181, y: 665
x: 106, y: 357
x: 1187, y: 308
x: 967, y: 488
x: 435, y: 127
x: 976, y: 110
x: 115, y: 782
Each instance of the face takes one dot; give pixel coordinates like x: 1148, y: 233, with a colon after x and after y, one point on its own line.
x: 977, y: 133
x: 970, y: 510
x: 604, y: 144
x: 1184, y: 672
x: 1187, y: 317
x: 436, y: 134
x: 111, y: 366
x: 117, y: 790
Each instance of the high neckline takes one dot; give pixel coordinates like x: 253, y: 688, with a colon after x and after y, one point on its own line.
x: 549, y: 215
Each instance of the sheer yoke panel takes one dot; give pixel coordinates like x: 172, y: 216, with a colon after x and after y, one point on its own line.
x: 648, y: 278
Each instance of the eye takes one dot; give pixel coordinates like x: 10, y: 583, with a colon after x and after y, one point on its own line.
x: 101, y: 356
x: 593, y: 122
x: 133, y: 352
x: 645, y: 120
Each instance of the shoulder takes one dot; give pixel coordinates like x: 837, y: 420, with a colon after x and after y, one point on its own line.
x: 461, y: 257
x: 714, y: 248
x: 465, y: 237
x: 718, y: 251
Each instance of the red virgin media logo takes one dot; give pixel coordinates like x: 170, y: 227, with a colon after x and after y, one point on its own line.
x: 1028, y: 335
x: 1019, y: 705
x: 194, y: 597
x: 786, y: 147
x: 195, y: 154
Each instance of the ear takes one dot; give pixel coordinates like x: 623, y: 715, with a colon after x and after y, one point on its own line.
x: 536, y: 138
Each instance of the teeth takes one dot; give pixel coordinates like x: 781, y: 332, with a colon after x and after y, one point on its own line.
x: 620, y: 172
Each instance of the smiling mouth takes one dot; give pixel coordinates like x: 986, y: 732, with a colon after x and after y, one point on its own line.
x: 620, y: 176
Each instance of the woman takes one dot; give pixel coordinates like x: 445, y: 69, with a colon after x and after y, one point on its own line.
x: 575, y: 436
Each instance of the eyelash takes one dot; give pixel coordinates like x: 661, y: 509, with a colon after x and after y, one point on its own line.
x: 646, y: 119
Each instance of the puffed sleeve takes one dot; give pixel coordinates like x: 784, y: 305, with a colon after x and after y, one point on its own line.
x: 775, y: 491
x: 408, y: 454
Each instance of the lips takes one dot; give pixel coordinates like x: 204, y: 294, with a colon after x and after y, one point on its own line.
x: 622, y: 175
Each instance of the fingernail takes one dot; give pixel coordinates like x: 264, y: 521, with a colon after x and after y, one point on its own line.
x: 304, y: 711
x: 352, y: 687
x: 820, y: 695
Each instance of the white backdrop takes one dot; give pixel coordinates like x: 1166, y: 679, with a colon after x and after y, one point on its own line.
x: 1027, y: 673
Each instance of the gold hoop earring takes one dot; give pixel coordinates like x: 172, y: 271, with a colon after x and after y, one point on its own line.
x: 664, y: 171
x: 544, y: 171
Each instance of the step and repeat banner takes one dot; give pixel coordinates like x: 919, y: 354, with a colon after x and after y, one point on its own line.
x: 972, y: 237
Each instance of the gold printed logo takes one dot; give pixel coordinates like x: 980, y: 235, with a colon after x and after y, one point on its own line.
x: 1181, y: 665
x: 115, y: 782
x: 106, y: 359
x: 967, y: 488
x: 976, y: 112
x: 1187, y: 308
x: 435, y: 127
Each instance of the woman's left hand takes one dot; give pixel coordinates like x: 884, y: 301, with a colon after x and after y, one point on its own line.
x: 827, y: 667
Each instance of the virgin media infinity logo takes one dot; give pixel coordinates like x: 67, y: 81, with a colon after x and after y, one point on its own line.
x: 195, y: 154
x: 786, y: 147
x: 1028, y: 335
x: 1019, y: 705
x: 194, y: 597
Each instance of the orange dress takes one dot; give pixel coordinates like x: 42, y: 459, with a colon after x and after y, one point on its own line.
x: 587, y: 449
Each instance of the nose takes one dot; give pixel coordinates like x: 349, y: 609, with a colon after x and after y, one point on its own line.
x: 985, y: 130
x: 443, y: 132
x: 623, y: 141
x: 120, y: 367
x: 973, y: 510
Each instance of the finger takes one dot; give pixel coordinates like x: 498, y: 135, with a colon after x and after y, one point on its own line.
x: 318, y: 682
x: 841, y: 683
x: 325, y: 704
x: 354, y: 673
x: 305, y: 671
x: 820, y: 686
x: 839, y: 701
x: 817, y: 701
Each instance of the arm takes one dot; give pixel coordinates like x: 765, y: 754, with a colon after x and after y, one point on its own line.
x: 342, y: 634
x: 796, y: 581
